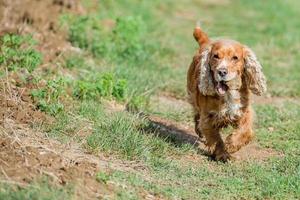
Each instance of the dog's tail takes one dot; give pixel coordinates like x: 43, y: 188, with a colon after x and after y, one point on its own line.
x: 200, y: 36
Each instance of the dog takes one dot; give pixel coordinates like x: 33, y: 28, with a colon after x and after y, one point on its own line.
x: 220, y: 80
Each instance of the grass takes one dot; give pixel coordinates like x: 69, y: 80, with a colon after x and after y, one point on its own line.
x: 147, y: 52
x: 170, y: 177
x: 39, y: 190
x: 100, y: 85
x: 284, y: 122
x: 18, y: 52
x: 48, y: 98
x: 242, y: 181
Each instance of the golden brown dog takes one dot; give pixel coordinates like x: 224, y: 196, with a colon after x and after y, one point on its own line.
x: 219, y: 81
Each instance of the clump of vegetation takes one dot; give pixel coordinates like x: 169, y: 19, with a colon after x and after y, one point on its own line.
x: 101, y: 85
x: 122, y: 133
x: 85, y: 32
x: 102, y: 177
x: 125, y: 41
x: 128, y: 38
x: 18, y: 52
x: 137, y: 102
x: 48, y: 98
x: 74, y: 62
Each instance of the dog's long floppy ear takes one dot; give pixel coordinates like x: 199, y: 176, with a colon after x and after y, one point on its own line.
x: 206, y: 84
x: 254, y: 76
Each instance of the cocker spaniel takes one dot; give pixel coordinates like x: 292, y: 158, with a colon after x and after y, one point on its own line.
x: 219, y: 81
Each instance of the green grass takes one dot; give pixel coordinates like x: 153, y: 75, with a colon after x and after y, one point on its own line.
x: 48, y: 98
x: 166, y: 175
x: 151, y: 64
x: 276, y: 178
x: 209, y: 181
x: 130, y: 47
x: 122, y: 134
x: 39, y: 190
x: 284, y: 120
x: 146, y: 52
x: 100, y: 85
x: 18, y: 52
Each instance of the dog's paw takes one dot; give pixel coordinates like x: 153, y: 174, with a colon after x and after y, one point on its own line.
x: 223, y: 157
x: 231, y: 148
x: 232, y: 144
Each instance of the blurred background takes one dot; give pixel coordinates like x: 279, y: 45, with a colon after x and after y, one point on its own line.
x: 154, y: 38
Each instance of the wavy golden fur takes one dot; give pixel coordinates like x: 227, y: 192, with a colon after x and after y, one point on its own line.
x: 220, y: 79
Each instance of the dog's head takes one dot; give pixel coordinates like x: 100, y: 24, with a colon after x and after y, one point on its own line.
x: 227, y: 61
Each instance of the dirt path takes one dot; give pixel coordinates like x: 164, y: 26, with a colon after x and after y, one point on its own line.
x: 258, y: 100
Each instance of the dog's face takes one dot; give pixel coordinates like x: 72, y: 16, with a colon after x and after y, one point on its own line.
x: 226, y: 64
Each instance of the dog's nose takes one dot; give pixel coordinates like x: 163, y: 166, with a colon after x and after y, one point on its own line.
x: 222, y: 72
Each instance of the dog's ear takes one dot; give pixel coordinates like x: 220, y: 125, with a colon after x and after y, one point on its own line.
x: 206, y: 84
x: 255, y: 79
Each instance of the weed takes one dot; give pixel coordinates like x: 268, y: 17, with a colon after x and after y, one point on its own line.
x: 102, y: 177
x: 138, y: 102
x: 48, y: 98
x: 129, y: 38
x: 74, y: 62
x: 18, y: 52
x: 78, y: 32
x: 100, y: 85
x: 85, y: 32
x: 126, y: 41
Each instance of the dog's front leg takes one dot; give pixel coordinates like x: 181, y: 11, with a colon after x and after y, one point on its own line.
x: 242, y: 135
x: 213, y: 140
x: 197, y: 126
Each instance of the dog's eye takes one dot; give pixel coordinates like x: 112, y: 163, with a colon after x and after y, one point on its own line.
x: 235, y: 58
x: 216, y: 56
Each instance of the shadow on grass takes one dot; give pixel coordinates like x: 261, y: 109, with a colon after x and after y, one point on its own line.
x: 174, y: 133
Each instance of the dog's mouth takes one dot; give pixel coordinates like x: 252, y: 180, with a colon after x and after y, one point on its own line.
x: 221, y: 88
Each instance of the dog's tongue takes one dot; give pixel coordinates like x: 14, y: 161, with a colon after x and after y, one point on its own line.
x: 222, y: 88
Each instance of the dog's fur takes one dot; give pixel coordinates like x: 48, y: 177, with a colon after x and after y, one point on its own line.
x: 222, y: 101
